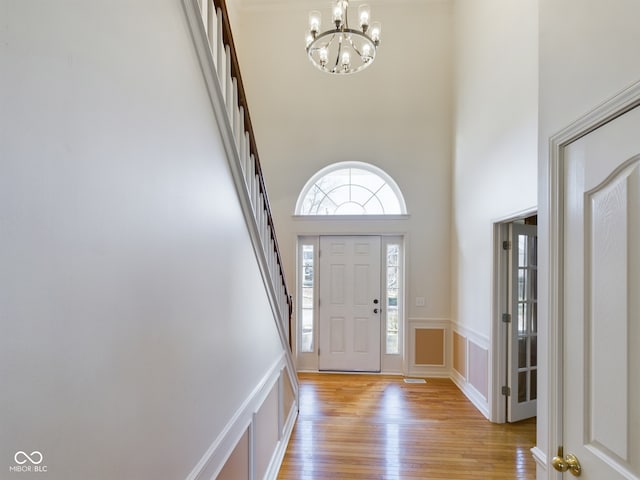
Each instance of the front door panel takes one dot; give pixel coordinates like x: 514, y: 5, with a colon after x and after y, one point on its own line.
x: 349, y: 315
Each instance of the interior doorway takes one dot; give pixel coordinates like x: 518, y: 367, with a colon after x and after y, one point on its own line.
x: 515, y: 382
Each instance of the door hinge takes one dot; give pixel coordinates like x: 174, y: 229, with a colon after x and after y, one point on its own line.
x: 506, y: 391
x: 506, y: 245
x: 506, y: 318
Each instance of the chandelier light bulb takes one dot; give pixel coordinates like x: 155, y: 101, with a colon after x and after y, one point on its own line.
x: 363, y: 14
x: 324, y: 56
x: 376, y: 27
x: 338, y: 14
x: 366, y: 53
x: 314, y: 22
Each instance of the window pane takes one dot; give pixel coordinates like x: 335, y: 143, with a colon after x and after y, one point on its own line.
x: 522, y: 251
x: 534, y: 385
x: 522, y: 352
x: 307, y: 331
x: 533, y: 251
x: 392, y: 307
x: 389, y: 199
x: 307, y: 301
x: 522, y: 284
x: 522, y: 317
x: 360, y: 194
x: 522, y: 387
x: 365, y: 178
x: 534, y: 317
x: 392, y: 255
x: 534, y: 351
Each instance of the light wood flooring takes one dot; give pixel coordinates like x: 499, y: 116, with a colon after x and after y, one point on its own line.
x: 378, y: 427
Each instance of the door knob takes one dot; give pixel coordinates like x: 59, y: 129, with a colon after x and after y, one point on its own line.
x: 375, y: 300
x: 569, y: 462
x: 375, y: 310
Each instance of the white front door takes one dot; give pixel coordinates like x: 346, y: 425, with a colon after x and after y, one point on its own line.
x: 523, y: 344
x: 350, y: 304
x: 600, y: 294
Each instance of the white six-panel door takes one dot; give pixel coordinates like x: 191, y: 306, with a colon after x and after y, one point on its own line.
x: 601, y: 298
x: 350, y: 304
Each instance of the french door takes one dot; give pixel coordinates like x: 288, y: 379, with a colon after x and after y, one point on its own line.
x: 350, y: 303
x: 523, y: 338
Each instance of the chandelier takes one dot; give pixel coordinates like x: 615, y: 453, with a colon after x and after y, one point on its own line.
x: 343, y: 50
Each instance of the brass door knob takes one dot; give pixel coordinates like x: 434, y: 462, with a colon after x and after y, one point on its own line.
x: 566, y: 463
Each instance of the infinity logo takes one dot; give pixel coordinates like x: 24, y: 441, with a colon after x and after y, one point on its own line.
x: 28, y: 458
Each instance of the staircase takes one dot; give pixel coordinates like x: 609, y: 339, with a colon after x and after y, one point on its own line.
x: 213, y: 40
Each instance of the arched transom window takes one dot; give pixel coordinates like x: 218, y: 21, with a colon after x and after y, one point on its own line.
x: 351, y: 188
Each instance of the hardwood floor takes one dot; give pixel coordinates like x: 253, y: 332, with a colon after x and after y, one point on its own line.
x: 378, y: 427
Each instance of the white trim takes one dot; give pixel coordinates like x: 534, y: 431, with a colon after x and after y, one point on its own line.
x: 478, y: 338
x: 520, y: 215
x: 602, y: 114
x: 540, y: 458
x: 471, y: 393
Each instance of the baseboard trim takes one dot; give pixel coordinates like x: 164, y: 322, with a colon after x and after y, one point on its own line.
x: 469, y: 391
x: 540, y: 457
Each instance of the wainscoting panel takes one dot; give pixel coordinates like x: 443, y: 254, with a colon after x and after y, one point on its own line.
x: 237, y: 465
x: 471, y: 366
x: 266, y: 434
x: 429, y: 347
x: 479, y: 368
x: 460, y: 354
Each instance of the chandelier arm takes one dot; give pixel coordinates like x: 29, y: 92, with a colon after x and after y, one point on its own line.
x: 335, y: 67
x: 320, y: 47
x: 353, y: 45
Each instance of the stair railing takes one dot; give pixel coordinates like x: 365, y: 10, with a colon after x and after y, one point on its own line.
x: 221, y: 60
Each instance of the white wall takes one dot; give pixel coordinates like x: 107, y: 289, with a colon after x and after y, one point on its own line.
x: 588, y: 53
x: 133, y: 318
x: 495, y: 141
x: 395, y: 115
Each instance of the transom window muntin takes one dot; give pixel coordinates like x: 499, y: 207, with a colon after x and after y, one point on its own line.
x: 351, y: 188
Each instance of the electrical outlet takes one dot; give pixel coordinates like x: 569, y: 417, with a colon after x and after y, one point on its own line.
x: 420, y: 302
